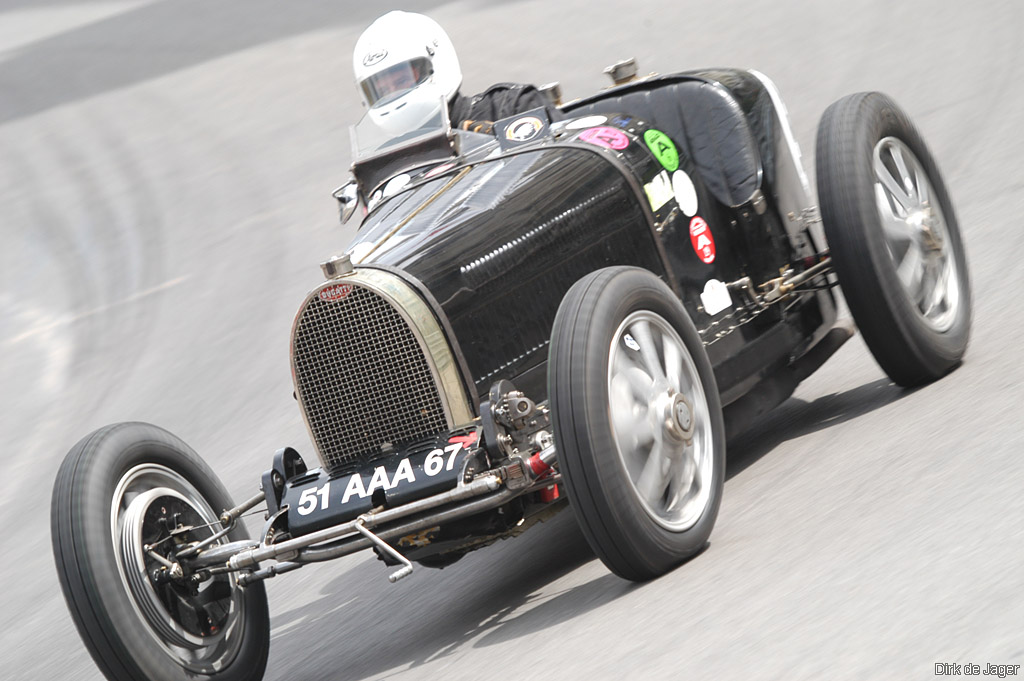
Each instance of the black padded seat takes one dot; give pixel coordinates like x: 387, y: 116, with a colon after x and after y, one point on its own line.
x: 703, y: 118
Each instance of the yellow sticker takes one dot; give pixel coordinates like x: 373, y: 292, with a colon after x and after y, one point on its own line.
x: 659, y: 190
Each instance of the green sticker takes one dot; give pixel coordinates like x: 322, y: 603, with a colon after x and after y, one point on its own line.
x: 663, y: 149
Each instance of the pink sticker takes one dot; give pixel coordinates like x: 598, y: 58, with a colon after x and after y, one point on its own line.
x: 606, y: 137
x: 438, y: 170
x: 702, y: 241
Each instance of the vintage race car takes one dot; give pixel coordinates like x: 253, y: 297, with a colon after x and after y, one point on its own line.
x: 560, y: 313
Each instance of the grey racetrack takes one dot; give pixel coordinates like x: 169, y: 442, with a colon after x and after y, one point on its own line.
x: 165, y: 178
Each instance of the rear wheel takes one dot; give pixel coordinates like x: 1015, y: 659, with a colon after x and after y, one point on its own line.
x: 124, y: 497
x: 894, y: 238
x: 637, y: 421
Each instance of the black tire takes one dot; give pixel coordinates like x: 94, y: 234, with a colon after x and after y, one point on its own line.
x: 915, y: 319
x: 638, y: 535
x: 143, y: 467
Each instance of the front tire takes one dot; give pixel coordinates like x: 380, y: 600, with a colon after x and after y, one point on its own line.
x: 637, y: 422
x: 119, y: 490
x: 894, y: 238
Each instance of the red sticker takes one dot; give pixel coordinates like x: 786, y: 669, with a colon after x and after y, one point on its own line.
x: 467, y: 440
x: 606, y: 137
x: 703, y: 242
x: 333, y: 294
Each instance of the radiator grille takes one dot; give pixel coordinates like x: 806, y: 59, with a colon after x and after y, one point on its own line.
x: 361, y: 376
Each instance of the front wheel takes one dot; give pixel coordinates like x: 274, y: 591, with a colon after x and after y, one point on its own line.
x: 894, y: 238
x: 637, y: 422
x: 125, y: 497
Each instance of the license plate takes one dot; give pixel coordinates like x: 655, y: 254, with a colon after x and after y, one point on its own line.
x: 322, y: 501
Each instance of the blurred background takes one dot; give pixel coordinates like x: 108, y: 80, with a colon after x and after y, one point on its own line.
x: 165, y: 179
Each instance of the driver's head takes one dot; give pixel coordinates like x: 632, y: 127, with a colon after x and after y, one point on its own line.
x: 404, y: 63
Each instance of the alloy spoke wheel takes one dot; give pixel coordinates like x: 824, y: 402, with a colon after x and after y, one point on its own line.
x: 660, y: 420
x: 916, y: 233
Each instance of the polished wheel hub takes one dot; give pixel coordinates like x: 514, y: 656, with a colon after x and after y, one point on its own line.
x: 679, y: 419
x: 916, y: 233
x: 660, y: 420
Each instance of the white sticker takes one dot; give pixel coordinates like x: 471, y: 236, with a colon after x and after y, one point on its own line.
x: 715, y: 297
x: 374, y: 200
x: 685, y: 192
x: 396, y: 184
x: 631, y: 342
x: 659, y: 190
x: 585, y: 122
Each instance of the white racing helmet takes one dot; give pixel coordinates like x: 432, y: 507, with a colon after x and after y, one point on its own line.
x: 404, y: 63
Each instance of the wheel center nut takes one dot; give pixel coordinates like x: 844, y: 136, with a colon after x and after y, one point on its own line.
x: 679, y: 420
x: 683, y: 416
x: 926, y: 222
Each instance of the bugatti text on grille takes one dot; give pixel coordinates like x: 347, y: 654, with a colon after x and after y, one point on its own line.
x: 362, y: 377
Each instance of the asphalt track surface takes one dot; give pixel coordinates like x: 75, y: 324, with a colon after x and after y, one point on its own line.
x: 165, y: 179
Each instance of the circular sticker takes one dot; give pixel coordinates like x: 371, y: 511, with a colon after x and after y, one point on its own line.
x: 374, y: 199
x: 606, y: 137
x: 686, y: 193
x: 703, y: 242
x: 662, y: 148
x: 585, y: 122
x: 396, y: 184
x: 523, y: 129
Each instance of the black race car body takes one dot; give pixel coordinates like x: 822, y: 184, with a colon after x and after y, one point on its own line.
x: 495, y: 244
x: 488, y: 244
x: 570, y: 311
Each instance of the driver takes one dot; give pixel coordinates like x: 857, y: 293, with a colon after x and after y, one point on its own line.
x: 405, y: 63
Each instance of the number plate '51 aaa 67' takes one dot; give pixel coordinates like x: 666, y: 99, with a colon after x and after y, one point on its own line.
x: 318, y: 500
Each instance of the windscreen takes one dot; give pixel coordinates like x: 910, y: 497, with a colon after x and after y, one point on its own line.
x: 370, y: 138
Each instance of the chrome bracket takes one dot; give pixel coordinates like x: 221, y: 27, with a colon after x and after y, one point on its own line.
x: 782, y: 286
x: 746, y: 288
x: 553, y: 91
x: 777, y: 288
x: 401, y: 572
x: 622, y: 71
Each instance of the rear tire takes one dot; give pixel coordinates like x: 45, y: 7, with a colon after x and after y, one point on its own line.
x: 894, y: 238
x: 637, y: 422
x: 116, y: 492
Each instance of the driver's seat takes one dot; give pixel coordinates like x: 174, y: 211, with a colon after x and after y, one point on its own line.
x: 703, y: 118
